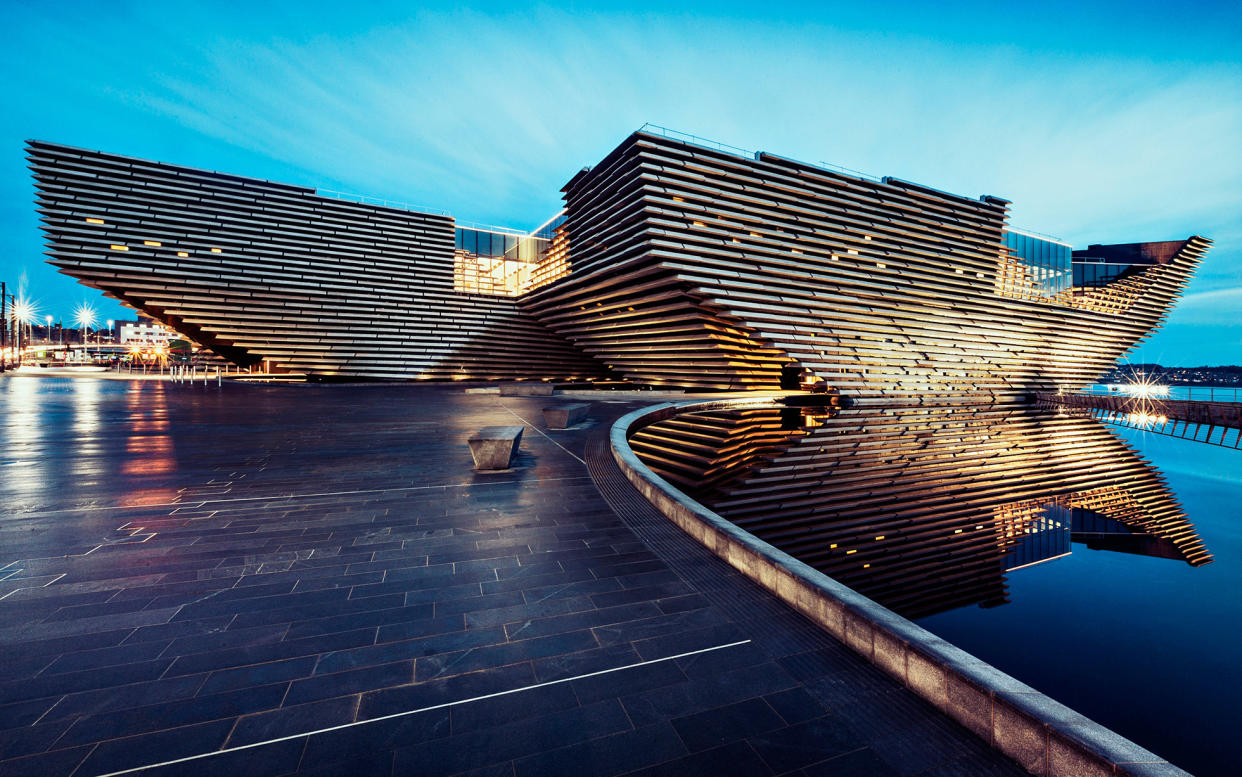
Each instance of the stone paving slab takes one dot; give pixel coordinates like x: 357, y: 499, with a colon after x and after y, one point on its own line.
x: 312, y: 580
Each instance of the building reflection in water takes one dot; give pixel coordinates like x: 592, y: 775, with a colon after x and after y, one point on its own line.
x: 923, y: 509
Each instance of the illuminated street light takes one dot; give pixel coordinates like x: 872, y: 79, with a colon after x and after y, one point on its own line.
x: 24, y: 312
x: 48, y: 319
x: 110, y: 322
x: 84, y: 317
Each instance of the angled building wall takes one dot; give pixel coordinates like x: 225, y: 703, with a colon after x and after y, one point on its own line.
x: 704, y: 267
x: 675, y: 264
x: 257, y: 271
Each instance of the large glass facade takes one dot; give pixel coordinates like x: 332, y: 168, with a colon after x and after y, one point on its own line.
x: 507, y: 264
x: 1092, y: 274
x: 1046, y: 262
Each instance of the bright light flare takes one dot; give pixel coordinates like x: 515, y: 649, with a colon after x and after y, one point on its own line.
x: 25, y: 310
x: 1145, y: 388
x: 1146, y: 420
x: 84, y: 316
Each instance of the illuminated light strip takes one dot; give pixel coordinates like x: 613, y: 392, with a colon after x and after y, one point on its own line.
x: 407, y: 713
x: 116, y: 247
x: 94, y: 221
x: 535, y: 232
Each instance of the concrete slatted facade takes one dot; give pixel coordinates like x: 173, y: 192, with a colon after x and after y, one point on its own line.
x: 919, y: 507
x: 703, y: 267
x: 676, y: 264
x: 257, y: 271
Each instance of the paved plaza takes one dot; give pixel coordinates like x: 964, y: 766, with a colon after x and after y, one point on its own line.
x: 303, y: 579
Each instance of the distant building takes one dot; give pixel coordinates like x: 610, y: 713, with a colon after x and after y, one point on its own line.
x: 145, y: 332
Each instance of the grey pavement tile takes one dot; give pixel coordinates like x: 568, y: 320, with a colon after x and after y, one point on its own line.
x: 309, y: 574
x: 259, y: 654
x: 89, y: 679
x: 606, y: 756
x: 17, y: 742
x: 593, y: 659
x: 501, y: 710
x: 180, y: 712
x: 447, y: 690
x: 795, y: 705
x: 267, y: 761
x: 862, y: 762
x: 154, y: 748
x: 121, y: 697
x: 325, y: 686
x: 525, y: 735
x: 811, y: 741
x: 55, y: 763
x: 721, y: 725
x: 705, y: 693
x: 732, y: 759
x: 25, y: 713
x: 487, y: 656
x: 293, y: 718
x: 556, y: 624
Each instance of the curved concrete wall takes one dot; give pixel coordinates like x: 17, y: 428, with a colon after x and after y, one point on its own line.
x: 1045, y: 737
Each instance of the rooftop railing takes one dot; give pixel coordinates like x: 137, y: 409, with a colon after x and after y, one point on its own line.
x: 695, y: 140
x: 366, y: 199
x: 702, y: 142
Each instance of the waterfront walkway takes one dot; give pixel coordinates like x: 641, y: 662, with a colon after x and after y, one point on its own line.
x: 311, y: 580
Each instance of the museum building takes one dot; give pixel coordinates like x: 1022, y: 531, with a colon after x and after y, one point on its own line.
x: 675, y: 262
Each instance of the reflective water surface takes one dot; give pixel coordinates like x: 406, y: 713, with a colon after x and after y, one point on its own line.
x: 1113, y: 602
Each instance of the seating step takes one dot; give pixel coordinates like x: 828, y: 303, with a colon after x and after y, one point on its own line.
x: 565, y: 416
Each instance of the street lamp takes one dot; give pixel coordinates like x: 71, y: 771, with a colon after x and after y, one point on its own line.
x: 48, y: 319
x: 84, y: 316
x: 110, y: 322
x: 24, y: 312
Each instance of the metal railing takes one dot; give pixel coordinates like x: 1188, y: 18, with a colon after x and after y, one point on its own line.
x: 695, y: 140
x: 1190, y: 393
x: 366, y: 199
x: 1033, y: 233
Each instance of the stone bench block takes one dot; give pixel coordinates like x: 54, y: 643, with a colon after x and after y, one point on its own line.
x: 565, y: 416
x: 522, y: 389
x: 493, y: 446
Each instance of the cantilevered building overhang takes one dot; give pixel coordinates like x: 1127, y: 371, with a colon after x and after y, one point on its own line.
x: 257, y: 270
x: 699, y: 266
x: 675, y: 264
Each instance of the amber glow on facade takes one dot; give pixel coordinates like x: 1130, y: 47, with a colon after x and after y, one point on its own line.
x: 673, y: 263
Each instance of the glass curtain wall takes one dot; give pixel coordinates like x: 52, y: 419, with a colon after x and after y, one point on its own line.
x: 1048, y: 263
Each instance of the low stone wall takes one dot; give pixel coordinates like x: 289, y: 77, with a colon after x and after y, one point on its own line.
x: 1045, y: 737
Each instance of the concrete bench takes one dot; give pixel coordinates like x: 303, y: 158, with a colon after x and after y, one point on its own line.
x: 527, y: 389
x: 493, y: 446
x: 565, y: 416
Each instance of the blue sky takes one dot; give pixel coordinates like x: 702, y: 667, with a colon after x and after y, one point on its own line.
x: 1109, y: 122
